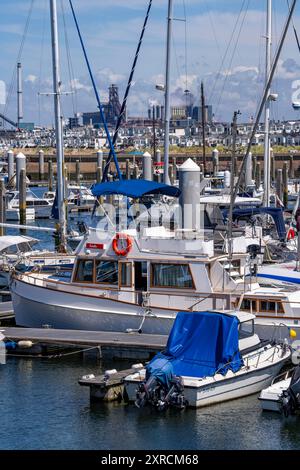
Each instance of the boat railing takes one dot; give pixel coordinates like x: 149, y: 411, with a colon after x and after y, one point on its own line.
x: 283, y: 376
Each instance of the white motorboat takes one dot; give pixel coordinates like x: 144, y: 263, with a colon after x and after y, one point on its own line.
x: 19, y: 253
x: 13, y: 214
x: 42, y: 207
x: 216, y: 356
x: 270, y: 397
x: 283, y: 395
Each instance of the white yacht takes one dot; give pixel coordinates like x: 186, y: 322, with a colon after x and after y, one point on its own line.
x: 123, y: 281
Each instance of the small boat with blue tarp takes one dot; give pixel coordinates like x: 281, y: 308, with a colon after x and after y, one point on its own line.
x: 210, y: 357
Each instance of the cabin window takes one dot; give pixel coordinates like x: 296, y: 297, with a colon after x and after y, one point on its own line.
x: 172, y: 275
x: 85, y: 271
x: 267, y: 306
x: 107, y: 272
x: 280, y: 308
x: 248, y: 305
x: 246, y: 329
x: 126, y: 274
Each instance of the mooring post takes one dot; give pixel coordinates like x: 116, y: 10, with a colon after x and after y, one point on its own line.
x: 2, y: 207
x: 22, y: 198
x: 78, y: 172
x: 50, y: 175
x: 41, y: 165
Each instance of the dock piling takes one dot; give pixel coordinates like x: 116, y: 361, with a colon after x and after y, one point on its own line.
x: 2, y: 207
x: 22, y: 198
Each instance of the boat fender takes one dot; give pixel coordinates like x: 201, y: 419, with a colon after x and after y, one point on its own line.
x: 109, y: 373
x: 128, y: 241
x: 25, y: 344
x: 291, y: 234
x: 10, y: 345
x: 137, y: 366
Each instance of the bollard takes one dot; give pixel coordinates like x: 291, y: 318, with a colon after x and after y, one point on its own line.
x: 50, y: 175
x: 78, y: 172
x: 10, y: 161
x: 99, y: 174
x: 2, y: 207
x: 279, y: 184
x: 41, y: 165
x: 189, y: 184
x: 20, y: 165
x: 258, y: 176
x: 285, y: 190
x: 127, y: 171
x: 291, y: 167
x: 254, y: 163
x: 22, y: 198
x: 147, y: 167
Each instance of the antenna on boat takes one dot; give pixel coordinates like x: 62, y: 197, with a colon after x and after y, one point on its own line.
x: 58, y: 127
x: 167, y: 93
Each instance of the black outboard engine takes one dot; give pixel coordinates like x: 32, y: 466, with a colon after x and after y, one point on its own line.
x: 290, y: 398
x: 161, y: 389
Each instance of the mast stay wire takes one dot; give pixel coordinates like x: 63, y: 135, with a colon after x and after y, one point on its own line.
x: 218, y: 74
x: 123, y: 106
x: 232, y: 56
x: 13, y: 79
x: 41, y: 62
x: 111, y: 145
x: 69, y: 62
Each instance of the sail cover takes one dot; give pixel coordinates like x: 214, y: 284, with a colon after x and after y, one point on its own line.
x: 200, y: 344
x: 134, y: 188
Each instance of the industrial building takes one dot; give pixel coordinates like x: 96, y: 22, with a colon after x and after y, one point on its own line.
x: 111, y: 111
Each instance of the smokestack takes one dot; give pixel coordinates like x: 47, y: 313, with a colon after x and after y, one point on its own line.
x: 20, y: 93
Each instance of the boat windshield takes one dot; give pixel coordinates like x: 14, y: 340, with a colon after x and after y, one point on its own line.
x: 246, y: 329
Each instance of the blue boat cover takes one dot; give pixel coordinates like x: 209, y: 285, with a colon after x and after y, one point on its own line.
x: 134, y: 188
x: 199, y: 345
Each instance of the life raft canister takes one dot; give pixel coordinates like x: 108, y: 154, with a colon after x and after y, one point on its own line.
x: 291, y: 234
x: 126, y: 239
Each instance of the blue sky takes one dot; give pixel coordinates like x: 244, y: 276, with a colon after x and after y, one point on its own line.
x: 111, y: 29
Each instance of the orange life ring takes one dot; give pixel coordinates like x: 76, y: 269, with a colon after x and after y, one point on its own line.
x: 291, y: 234
x: 115, y: 242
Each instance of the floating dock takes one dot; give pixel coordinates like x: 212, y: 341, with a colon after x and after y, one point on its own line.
x: 6, y: 311
x: 110, y: 344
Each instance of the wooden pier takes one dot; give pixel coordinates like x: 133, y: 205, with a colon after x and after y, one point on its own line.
x: 110, y: 344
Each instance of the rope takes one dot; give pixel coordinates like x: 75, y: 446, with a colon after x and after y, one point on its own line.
x: 123, y: 107
x: 111, y: 145
x: 51, y: 356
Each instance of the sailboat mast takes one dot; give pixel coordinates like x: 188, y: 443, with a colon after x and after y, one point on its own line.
x: 203, y: 127
x: 167, y: 93
x: 58, y: 125
x: 267, y: 163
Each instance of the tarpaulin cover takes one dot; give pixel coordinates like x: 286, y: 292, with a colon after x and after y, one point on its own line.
x: 134, y: 188
x: 202, y: 343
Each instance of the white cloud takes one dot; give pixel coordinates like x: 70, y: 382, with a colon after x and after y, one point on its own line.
x: 31, y: 78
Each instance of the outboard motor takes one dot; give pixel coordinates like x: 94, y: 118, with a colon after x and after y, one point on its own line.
x: 290, y: 398
x: 161, y: 388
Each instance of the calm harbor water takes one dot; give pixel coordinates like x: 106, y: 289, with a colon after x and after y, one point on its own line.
x: 43, y: 407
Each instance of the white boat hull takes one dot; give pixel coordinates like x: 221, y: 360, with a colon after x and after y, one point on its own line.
x: 230, y: 387
x: 36, y: 306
